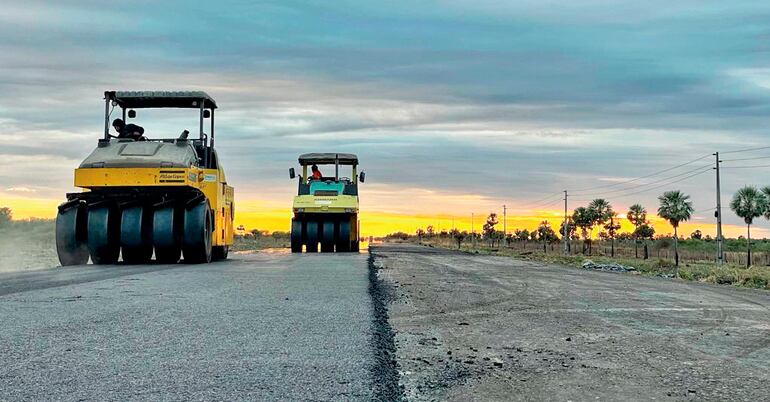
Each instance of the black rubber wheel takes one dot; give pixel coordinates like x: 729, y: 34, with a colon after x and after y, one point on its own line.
x: 343, y: 237
x: 311, y: 236
x: 327, y: 237
x: 104, y: 234
x: 71, y: 244
x: 196, y: 244
x: 296, y: 236
x: 166, y: 234
x: 354, y: 245
x: 219, y: 253
x: 136, y: 235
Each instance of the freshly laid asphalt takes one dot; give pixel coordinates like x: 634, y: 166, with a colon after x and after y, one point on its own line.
x: 261, y: 326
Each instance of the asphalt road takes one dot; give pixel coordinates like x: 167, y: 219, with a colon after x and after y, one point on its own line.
x: 260, y: 326
x: 472, y: 327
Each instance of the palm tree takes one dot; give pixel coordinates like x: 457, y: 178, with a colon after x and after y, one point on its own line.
x: 584, y: 219
x: 766, y: 192
x: 645, y: 232
x: 675, y: 207
x: 612, y: 229
x: 637, y: 215
x: 602, y: 211
x: 749, y: 203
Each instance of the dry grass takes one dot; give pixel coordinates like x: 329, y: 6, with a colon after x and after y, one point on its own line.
x: 757, y: 277
x: 249, y: 243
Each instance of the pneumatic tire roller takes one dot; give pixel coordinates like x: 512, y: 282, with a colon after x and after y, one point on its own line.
x: 326, y: 207
x: 165, y: 197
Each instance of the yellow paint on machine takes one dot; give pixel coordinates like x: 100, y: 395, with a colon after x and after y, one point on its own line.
x: 326, y: 204
x: 211, y: 182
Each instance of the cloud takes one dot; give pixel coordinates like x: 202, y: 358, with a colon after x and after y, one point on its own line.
x: 20, y: 189
x: 503, y: 103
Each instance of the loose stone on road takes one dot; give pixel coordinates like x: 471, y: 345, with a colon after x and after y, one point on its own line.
x: 474, y: 327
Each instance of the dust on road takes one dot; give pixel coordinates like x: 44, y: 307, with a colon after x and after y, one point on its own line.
x: 472, y: 327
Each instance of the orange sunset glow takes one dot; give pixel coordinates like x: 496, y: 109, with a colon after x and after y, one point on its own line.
x: 274, y: 216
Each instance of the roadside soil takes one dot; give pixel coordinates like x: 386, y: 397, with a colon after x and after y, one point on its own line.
x: 474, y: 327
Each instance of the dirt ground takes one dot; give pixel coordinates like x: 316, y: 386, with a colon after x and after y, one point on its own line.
x: 471, y: 327
x: 24, y: 251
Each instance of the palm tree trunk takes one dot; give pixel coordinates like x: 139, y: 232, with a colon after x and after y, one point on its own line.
x: 676, y: 249
x: 748, y: 244
x: 613, y: 246
x: 636, y: 247
x: 612, y: 236
x: 646, y: 251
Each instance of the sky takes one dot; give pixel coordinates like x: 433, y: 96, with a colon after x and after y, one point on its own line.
x: 454, y: 107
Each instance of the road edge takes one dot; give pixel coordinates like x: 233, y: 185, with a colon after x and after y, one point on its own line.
x: 384, y: 371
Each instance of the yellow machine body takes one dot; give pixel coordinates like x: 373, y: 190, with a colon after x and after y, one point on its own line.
x: 326, y: 204
x: 211, y: 182
x: 326, y: 207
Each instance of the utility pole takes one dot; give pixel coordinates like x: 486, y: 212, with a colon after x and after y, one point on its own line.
x: 718, y: 215
x: 565, y: 236
x: 505, y: 228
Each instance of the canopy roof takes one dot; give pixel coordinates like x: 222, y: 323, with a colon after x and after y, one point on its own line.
x: 327, y: 159
x: 160, y: 99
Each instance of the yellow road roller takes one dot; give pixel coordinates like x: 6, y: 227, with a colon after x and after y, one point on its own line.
x: 148, y: 193
x: 326, y: 205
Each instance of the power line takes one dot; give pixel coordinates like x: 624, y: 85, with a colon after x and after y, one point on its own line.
x: 642, y: 177
x: 745, y: 150
x: 745, y: 159
x: 555, y: 202
x: 698, y: 173
x: 666, y: 184
x: 704, y: 210
x: 547, y: 200
x: 656, y: 181
x: 745, y: 167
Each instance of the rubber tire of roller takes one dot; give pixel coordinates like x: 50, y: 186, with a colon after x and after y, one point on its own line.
x: 71, y: 246
x: 296, y: 236
x: 196, y: 245
x: 343, y: 237
x: 327, y: 237
x: 136, y: 235
x: 311, y: 236
x: 104, y: 234
x: 219, y: 253
x: 166, y: 235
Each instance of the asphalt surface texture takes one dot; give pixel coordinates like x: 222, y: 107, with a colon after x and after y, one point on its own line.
x: 262, y: 326
x: 473, y: 327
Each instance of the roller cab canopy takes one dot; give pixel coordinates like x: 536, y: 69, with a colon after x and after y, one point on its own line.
x: 197, y: 101
x: 327, y: 159
x: 161, y: 99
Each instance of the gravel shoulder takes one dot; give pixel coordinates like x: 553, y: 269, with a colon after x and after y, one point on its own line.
x: 470, y: 327
x: 262, y: 326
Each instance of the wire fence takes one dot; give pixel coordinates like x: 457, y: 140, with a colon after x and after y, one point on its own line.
x: 656, y: 250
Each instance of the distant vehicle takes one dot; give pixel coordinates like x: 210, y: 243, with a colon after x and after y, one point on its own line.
x: 168, y: 196
x: 326, y: 208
